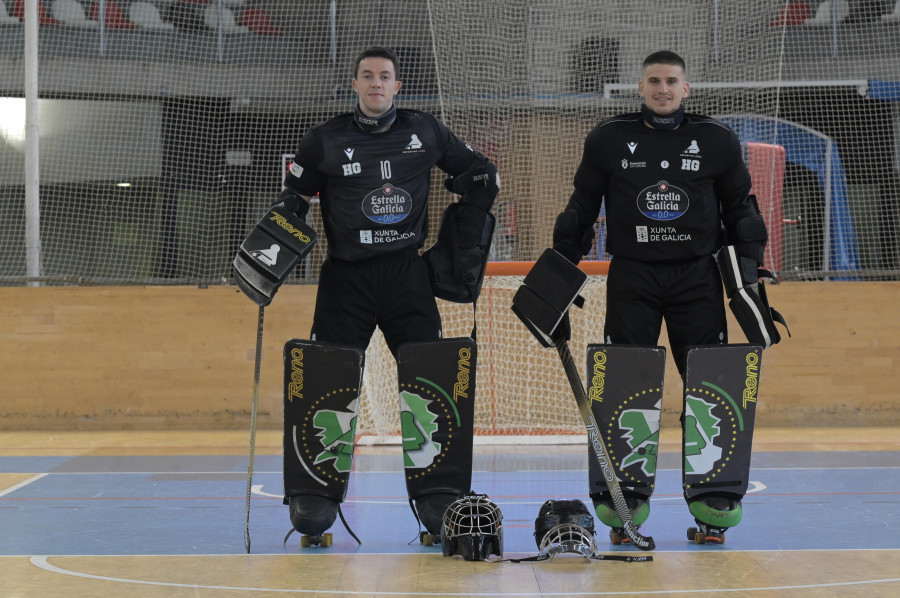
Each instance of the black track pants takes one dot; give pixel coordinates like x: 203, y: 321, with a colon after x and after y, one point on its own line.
x: 687, y: 294
x: 391, y: 291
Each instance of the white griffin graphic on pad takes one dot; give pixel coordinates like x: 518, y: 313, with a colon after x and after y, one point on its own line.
x: 267, y: 256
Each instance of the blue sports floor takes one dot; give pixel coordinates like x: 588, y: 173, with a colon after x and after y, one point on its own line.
x: 194, y: 504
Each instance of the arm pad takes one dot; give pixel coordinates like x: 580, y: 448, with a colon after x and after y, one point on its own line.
x: 750, y: 306
x: 748, y: 233
x: 478, y: 186
x: 457, y: 261
x: 737, y: 271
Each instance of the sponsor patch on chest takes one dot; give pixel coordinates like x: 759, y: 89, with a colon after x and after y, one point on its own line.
x: 387, y: 204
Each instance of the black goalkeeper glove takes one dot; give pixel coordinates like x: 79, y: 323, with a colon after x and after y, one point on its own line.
x: 293, y: 202
x: 568, y: 241
x: 477, y: 186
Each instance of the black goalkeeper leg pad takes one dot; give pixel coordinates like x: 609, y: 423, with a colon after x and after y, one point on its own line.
x: 720, y: 395
x: 321, y: 402
x: 626, y: 388
x: 437, y: 395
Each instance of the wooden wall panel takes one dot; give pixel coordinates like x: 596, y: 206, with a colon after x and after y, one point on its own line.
x: 80, y: 358
x: 143, y: 357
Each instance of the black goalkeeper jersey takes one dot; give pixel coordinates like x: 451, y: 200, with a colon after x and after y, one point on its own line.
x: 666, y: 192
x: 374, y: 187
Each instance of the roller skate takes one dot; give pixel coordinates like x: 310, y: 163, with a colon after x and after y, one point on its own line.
x: 312, y: 515
x: 714, y: 515
x: 430, y: 509
x: 606, y: 513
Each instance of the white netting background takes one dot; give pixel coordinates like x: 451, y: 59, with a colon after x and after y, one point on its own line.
x: 162, y: 124
x: 825, y: 88
x: 521, y: 387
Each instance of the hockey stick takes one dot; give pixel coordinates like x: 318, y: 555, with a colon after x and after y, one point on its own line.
x: 600, y: 450
x: 259, y: 336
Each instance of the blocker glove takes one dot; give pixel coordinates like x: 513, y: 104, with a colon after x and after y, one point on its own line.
x: 542, y: 302
x: 749, y: 303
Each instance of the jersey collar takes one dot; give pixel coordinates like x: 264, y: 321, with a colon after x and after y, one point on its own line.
x: 664, y: 123
x: 373, y: 125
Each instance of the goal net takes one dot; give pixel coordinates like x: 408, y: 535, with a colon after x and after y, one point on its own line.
x: 521, y: 388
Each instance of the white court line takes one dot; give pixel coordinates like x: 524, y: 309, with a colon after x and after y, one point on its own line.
x: 257, y: 489
x: 333, y: 553
x: 41, y: 562
x: 477, y: 471
x: 485, y: 472
x: 22, y: 484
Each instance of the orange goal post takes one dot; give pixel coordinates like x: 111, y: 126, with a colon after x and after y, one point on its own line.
x: 522, y: 394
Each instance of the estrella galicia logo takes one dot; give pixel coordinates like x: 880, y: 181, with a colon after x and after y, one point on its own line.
x: 663, y: 201
x: 387, y: 205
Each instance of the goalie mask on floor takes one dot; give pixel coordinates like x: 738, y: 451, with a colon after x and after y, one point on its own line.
x: 473, y: 528
x: 565, y: 538
x: 565, y: 526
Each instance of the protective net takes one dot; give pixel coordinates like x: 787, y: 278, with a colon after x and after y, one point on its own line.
x: 163, y: 127
x: 157, y: 133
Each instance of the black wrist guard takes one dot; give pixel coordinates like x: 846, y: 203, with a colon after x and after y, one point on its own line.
x: 478, y: 186
x: 570, y: 239
x: 293, y: 202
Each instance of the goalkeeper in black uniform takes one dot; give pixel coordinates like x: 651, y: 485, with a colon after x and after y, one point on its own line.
x: 676, y: 190
x: 372, y: 172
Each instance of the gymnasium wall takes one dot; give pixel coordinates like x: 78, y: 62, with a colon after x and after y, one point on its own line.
x: 100, y: 358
